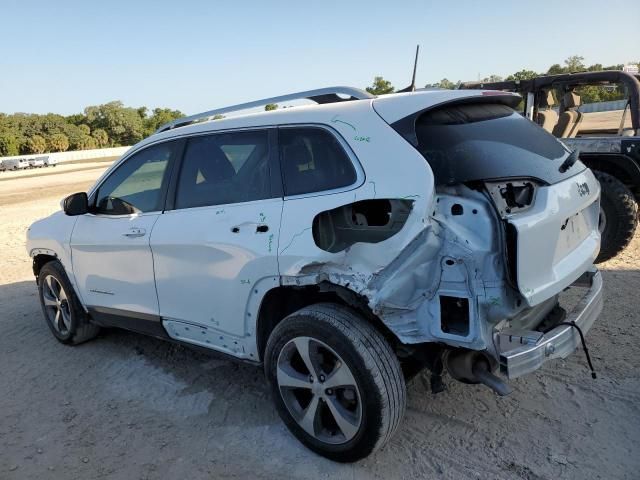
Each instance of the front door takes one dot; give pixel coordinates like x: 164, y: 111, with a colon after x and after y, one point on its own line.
x: 111, y: 256
x: 220, y: 239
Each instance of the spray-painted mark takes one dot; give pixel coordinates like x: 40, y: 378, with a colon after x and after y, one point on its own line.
x: 335, y: 120
x: 293, y: 239
x: 359, y: 138
x: 270, y: 241
x: 218, y: 212
x: 245, y: 282
x: 411, y: 196
x: 262, y: 217
x: 375, y: 193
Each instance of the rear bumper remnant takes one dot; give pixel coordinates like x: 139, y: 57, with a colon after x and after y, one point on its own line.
x: 523, y: 352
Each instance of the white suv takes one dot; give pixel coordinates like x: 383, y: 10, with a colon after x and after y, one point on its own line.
x: 345, y: 246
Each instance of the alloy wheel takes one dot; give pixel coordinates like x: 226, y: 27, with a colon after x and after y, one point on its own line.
x: 56, y: 304
x: 319, y: 390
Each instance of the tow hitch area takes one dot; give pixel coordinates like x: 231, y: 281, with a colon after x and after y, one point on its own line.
x: 523, y: 351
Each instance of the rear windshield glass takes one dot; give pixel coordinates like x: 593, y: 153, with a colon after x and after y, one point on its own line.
x: 470, y: 142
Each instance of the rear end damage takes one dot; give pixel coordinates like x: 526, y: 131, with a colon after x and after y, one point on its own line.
x: 476, y: 269
x: 513, y: 226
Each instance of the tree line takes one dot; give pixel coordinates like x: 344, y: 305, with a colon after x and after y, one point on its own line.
x: 108, y: 125
x: 113, y: 124
x: 574, y: 63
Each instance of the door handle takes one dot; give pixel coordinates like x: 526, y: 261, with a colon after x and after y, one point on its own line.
x: 135, y: 232
x: 260, y: 227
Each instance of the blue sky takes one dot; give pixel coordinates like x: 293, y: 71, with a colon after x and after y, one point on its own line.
x: 60, y: 56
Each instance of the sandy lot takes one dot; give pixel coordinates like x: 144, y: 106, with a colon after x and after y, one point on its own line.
x: 129, y: 407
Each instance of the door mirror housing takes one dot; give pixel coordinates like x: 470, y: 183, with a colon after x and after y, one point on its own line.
x: 76, y: 204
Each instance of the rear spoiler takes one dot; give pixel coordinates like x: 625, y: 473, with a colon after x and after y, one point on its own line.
x: 406, y: 124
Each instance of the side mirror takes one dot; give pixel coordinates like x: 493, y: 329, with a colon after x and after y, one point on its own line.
x: 76, y: 204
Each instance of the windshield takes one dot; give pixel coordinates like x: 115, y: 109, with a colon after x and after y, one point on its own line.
x: 470, y: 142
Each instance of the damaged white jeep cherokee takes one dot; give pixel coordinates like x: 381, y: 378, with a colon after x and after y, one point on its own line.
x: 344, y: 246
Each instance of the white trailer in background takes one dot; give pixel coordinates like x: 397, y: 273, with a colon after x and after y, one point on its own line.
x: 36, y: 162
x: 49, y: 161
x: 15, y: 163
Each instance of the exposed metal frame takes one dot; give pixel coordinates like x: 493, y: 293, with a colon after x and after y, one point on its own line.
x: 321, y: 95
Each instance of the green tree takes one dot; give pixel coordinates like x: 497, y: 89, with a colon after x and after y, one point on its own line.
x: 492, y: 79
x: 555, y: 69
x: 123, y: 125
x: 86, y: 142
x: 36, y: 144
x: 575, y: 63
x: 76, y: 135
x: 380, y: 86
x: 444, y: 83
x: 9, y: 144
x: 217, y: 116
x: 76, y: 118
x: 101, y: 137
x: 159, y: 117
x: 270, y: 106
x: 58, y: 142
x: 523, y: 75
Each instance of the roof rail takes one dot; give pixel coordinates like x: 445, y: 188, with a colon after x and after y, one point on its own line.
x: 320, y: 95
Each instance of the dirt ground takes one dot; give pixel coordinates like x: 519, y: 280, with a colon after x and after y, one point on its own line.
x: 126, y: 406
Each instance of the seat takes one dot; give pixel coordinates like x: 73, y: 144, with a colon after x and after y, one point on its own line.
x: 568, y: 122
x: 206, y: 177
x: 299, y: 171
x: 547, y: 117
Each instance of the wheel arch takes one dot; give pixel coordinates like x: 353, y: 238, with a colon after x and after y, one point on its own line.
x: 283, y: 300
x: 40, y: 257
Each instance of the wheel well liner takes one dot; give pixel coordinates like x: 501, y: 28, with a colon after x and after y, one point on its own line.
x: 40, y: 261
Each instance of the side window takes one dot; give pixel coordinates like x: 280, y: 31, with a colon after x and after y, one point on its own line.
x: 313, y: 160
x: 224, y: 168
x: 136, y: 186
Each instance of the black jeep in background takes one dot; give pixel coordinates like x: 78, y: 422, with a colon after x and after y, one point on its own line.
x: 598, y: 114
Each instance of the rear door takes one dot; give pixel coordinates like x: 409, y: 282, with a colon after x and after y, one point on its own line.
x: 111, y: 256
x: 219, y: 237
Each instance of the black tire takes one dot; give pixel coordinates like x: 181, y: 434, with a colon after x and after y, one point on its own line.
x: 371, y: 361
x: 80, y: 329
x: 620, y: 210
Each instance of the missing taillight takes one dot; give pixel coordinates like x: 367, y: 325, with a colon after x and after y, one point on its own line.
x: 513, y: 196
x: 517, y: 196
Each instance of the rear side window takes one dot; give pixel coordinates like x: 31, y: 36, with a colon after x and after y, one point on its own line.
x: 312, y: 160
x: 224, y: 168
x: 137, y: 185
x: 484, y: 141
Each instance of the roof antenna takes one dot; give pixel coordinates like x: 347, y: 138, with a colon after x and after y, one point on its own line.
x: 412, y: 87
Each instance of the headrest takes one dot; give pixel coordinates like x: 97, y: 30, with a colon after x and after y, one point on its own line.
x: 571, y: 100
x: 547, y: 101
x: 212, y: 163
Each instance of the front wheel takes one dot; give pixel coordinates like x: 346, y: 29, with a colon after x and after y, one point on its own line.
x: 62, y: 310
x: 335, y: 380
x: 618, y: 216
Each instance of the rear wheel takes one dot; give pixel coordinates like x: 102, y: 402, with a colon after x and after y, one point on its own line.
x: 62, y: 310
x: 618, y: 216
x: 335, y: 381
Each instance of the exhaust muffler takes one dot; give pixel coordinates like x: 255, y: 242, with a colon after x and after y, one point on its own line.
x: 469, y: 366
